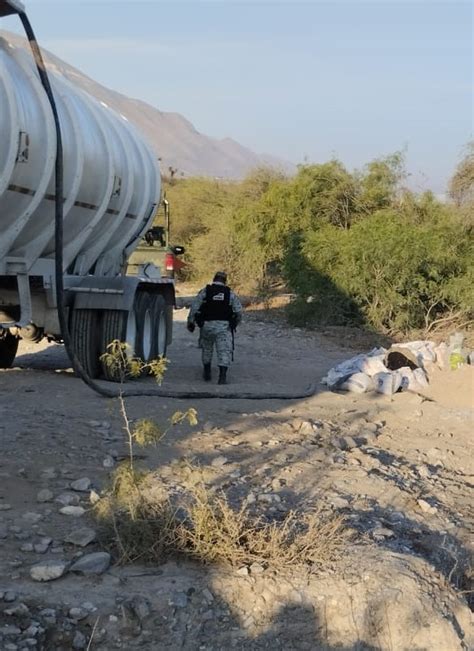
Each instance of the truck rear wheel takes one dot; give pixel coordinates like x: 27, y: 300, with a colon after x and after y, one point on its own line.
x: 161, y: 327
x: 8, y: 348
x: 145, y: 306
x: 118, y: 325
x: 85, y: 336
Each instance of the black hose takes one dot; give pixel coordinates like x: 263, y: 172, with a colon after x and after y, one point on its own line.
x: 59, y: 280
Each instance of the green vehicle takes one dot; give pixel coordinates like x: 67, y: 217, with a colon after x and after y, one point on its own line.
x: 155, y: 247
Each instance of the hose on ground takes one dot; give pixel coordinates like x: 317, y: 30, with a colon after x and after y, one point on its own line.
x: 59, y: 279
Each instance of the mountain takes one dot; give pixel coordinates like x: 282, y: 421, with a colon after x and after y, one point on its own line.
x: 176, y: 141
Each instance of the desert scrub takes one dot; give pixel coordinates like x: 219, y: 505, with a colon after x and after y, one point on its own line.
x: 146, y: 525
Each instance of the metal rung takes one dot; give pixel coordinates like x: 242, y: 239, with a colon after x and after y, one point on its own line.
x: 94, y: 290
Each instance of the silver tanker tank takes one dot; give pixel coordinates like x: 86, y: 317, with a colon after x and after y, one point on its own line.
x: 111, y: 180
x: 111, y: 191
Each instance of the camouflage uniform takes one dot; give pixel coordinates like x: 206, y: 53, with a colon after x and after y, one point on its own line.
x: 216, y: 333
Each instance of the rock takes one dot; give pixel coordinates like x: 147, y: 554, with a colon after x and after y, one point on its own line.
x: 77, y: 613
x: 74, y: 511
x: 140, y: 607
x: 277, y: 484
x: 67, y: 499
x: 208, y: 596
x: 306, y: 427
x: 243, y: 571
x: 44, y: 495
x: 338, y: 502
x: 380, y: 533
x: 18, y: 611
x: 426, y: 507
x: 48, y: 570
x: 344, y: 443
x: 423, y: 471
x: 27, y: 547
x: 365, y: 438
x: 43, y: 545
x: 218, y: 462
x: 96, y: 563
x: 108, y: 462
x: 9, y: 596
x: 94, y: 497
x: 48, y: 615
x: 10, y: 631
x: 256, y: 568
x: 178, y: 599
x: 87, y: 605
x: 33, y: 630
x: 5, y: 507
x: 81, y: 537
x: 82, y: 485
x: 79, y: 641
x: 49, y: 473
x: 3, y: 531
x: 22, y: 535
x: 32, y: 518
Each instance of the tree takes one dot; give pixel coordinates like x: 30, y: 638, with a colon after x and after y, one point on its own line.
x: 380, y: 182
x: 461, y: 187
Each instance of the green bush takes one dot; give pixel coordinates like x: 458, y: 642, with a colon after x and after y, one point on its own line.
x: 354, y: 247
x: 385, y: 271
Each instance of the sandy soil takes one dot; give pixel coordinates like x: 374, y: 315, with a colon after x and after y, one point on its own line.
x: 400, y: 470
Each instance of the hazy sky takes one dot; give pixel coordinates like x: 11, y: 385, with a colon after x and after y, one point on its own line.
x: 300, y: 80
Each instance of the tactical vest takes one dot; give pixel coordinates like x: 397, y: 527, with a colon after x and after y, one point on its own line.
x: 216, y: 305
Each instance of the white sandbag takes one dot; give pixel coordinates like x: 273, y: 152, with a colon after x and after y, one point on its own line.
x: 408, y: 379
x: 356, y: 364
x: 384, y: 383
x: 397, y: 378
x: 357, y: 383
x: 372, y: 365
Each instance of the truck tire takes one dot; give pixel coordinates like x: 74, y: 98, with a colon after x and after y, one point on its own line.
x: 118, y: 325
x: 161, y: 327
x: 8, y: 348
x: 85, y: 336
x: 145, y: 312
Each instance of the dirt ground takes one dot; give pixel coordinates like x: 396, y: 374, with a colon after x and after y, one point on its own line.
x: 400, y: 470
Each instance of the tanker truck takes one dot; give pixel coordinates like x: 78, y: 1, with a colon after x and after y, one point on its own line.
x: 111, y: 190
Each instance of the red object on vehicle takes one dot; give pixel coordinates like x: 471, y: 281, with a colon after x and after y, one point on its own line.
x: 170, y: 262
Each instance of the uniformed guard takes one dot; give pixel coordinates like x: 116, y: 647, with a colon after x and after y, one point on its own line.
x: 217, y: 311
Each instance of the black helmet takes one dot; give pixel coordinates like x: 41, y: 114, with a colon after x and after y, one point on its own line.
x: 220, y: 277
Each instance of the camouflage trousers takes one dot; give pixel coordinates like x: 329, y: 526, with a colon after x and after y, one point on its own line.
x: 218, y: 334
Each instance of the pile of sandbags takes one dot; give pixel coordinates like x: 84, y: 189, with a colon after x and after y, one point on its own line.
x: 402, y: 367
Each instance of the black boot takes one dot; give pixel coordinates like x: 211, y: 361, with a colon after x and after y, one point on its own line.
x: 222, y: 375
x: 207, y: 372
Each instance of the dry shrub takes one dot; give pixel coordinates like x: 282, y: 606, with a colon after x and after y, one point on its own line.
x: 134, y: 527
x: 215, y: 533
x: 204, y: 527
